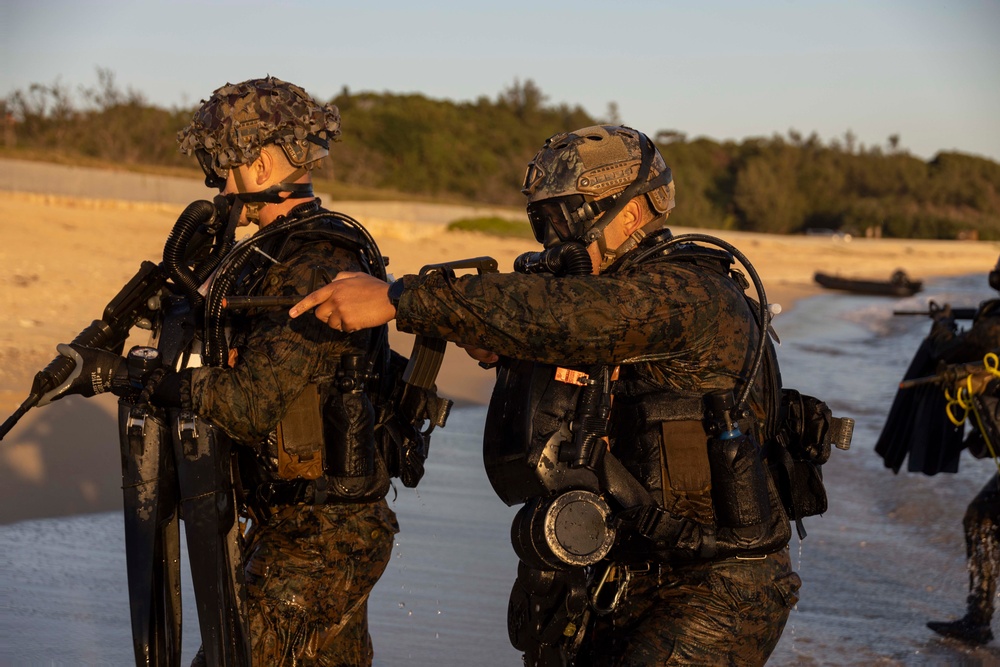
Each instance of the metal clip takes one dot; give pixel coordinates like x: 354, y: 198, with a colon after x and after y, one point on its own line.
x: 187, y: 426
x: 622, y: 584
x: 136, y: 425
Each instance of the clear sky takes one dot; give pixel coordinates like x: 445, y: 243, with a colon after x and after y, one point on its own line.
x: 926, y: 70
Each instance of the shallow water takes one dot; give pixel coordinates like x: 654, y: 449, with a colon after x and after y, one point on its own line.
x: 886, y: 558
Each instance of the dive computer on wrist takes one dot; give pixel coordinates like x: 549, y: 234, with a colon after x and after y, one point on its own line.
x: 396, y: 288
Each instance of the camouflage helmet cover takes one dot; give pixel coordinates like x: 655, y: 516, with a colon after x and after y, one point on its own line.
x: 239, y: 119
x: 596, y: 162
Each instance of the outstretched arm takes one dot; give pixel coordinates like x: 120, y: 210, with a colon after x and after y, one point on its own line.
x: 352, y: 301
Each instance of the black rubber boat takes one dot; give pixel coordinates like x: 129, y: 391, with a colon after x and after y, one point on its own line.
x: 898, y: 285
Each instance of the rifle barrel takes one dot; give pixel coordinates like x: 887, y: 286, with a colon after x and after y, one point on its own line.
x: 242, y: 302
x: 20, y: 412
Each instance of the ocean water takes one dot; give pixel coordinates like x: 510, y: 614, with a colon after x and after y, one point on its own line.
x: 886, y: 557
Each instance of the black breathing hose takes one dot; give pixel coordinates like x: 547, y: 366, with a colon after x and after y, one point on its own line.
x: 566, y: 259
x: 177, y: 248
x: 763, y: 313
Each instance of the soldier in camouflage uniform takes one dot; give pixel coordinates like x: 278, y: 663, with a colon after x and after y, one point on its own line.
x: 294, y: 396
x: 982, y: 517
x: 690, y: 586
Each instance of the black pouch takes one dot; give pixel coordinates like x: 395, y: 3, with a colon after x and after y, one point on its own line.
x: 802, y: 445
x: 806, y: 427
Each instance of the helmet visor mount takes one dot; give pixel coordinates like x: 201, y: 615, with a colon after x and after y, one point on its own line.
x: 567, y: 216
x: 212, y: 179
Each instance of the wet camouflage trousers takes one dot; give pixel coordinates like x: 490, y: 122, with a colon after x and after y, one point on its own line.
x: 309, y: 572
x: 729, y: 612
x: 982, y: 548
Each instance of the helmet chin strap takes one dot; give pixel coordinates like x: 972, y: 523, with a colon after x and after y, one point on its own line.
x: 253, y: 202
x: 610, y: 256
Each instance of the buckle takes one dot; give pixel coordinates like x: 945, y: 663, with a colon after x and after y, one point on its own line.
x: 136, y: 424
x: 187, y: 426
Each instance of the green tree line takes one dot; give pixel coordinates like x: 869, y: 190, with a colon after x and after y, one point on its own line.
x: 411, y: 145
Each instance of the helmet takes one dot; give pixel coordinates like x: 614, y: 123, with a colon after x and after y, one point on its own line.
x: 239, y: 119
x: 579, y: 175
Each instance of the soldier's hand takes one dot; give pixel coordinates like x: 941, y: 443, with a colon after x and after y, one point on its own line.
x: 94, y: 373
x: 479, y: 354
x: 350, y: 302
x: 944, y: 327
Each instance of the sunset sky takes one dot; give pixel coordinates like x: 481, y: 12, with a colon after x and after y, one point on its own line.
x: 925, y: 70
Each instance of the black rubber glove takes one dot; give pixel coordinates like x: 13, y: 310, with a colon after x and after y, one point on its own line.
x: 944, y: 327
x: 96, y: 372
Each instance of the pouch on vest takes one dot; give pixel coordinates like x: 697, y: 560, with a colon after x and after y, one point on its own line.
x: 804, y: 442
x: 300, y: 438
x: 527, y: 424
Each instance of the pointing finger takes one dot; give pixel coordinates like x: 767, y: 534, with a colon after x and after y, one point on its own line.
x: 311, y: 301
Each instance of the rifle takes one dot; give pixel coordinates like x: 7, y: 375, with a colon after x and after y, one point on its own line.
x: 131, y: 307
x: 982, y: 372
x: 199, y: 227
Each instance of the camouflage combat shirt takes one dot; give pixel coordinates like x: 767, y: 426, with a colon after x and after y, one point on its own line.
x: 700, y: 330
x: 697, y: 322
x: 309, y: 569
x: 276, y: 356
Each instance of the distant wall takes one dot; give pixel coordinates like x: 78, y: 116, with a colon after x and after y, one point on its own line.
x: 56, y: 179
x: 91, y: 183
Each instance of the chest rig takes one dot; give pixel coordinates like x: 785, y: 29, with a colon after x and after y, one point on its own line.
x: 324, y: 448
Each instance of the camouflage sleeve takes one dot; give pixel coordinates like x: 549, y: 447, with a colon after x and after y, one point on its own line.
x: 280, y: 356
x: 667, y: 308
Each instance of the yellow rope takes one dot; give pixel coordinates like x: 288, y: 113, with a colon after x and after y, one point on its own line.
x: 963, y: 400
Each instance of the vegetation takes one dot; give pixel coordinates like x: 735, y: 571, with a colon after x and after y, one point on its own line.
x: 494, y: 226
x: 415, y: 147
